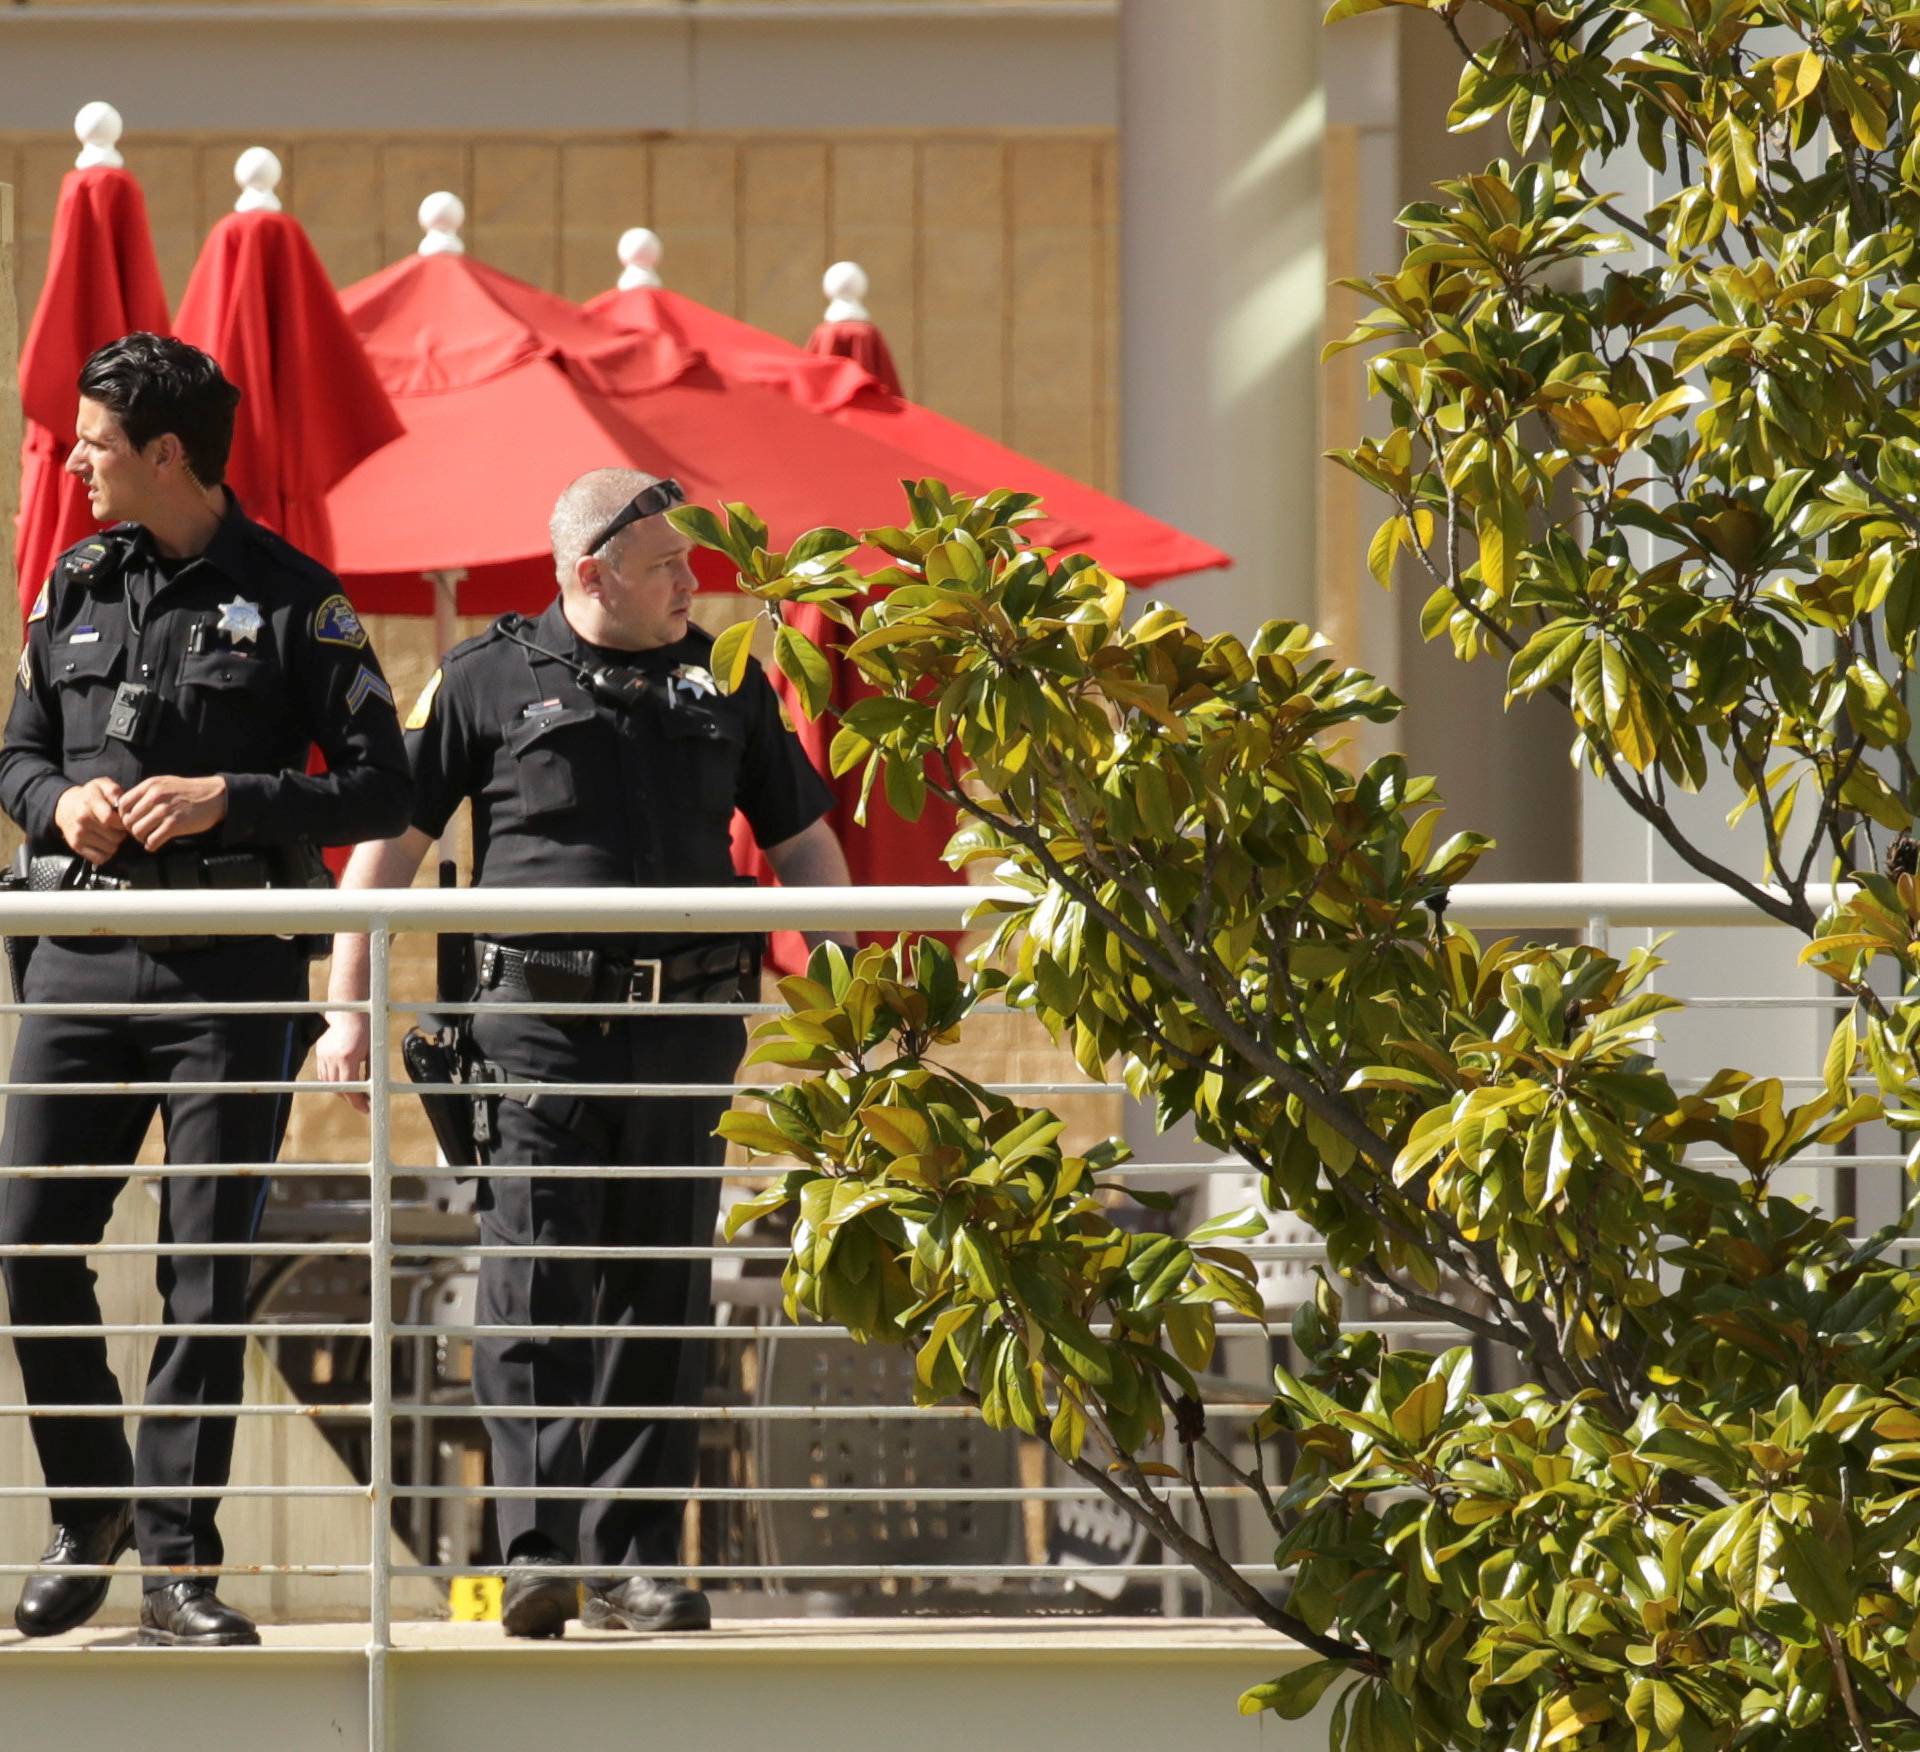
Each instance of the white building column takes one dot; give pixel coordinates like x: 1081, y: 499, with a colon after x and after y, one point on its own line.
x: 1222, y: 289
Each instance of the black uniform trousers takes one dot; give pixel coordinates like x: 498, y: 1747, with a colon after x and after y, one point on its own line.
x: 570, y: 1131
x: 52, y: 1130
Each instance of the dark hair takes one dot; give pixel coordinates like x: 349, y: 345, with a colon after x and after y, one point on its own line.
x: 154, y: 384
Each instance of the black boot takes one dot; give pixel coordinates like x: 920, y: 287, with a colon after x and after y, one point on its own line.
x: 640, y: 1603
x: 534, y: 1605
x: 189, y: 1614
x: 52, y: 1604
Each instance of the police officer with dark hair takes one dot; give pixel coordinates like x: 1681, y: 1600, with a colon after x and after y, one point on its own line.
x: 597, y: 753
x: 178, y: 671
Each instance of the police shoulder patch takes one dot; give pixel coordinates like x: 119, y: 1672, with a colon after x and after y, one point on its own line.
x: 39, y: 609
x: 335, y: 623
x: 422, y: 712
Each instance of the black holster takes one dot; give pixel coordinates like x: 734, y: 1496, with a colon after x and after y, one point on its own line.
x: 443, y: 1054
x: 18, y: 950
x: 462, y: 1120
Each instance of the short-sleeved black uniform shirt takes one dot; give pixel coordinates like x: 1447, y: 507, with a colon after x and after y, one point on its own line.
x: 570, y: 791
x: 255, y: 657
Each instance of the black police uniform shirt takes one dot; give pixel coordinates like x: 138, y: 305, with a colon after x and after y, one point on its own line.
x: 571, y: 791
x: 255, y: 657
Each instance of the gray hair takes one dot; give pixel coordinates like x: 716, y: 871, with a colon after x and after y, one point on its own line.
x: 587, y: 506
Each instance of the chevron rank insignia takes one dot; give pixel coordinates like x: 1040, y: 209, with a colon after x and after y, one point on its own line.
x: 366, y: 686
x: 335, y: 623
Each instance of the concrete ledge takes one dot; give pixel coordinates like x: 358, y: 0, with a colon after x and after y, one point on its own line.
x: 1135, y: 1685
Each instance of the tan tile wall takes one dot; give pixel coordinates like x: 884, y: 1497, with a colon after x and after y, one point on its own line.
x: 993, y: 259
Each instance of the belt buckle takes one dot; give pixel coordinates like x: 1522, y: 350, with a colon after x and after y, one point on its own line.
x: 644, y: 982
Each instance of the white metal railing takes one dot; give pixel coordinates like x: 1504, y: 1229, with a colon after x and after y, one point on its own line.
x: 1592, y: 909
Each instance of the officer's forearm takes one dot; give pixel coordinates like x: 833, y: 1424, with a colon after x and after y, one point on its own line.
x: 334, y: 808
x: 813, y: 859
x: 389, y: 863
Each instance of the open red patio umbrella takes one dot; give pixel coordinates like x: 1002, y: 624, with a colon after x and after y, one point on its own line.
x: 507, y: 393
x: 311, y: 408
x: 103, y: 281
x: 1129, y: 543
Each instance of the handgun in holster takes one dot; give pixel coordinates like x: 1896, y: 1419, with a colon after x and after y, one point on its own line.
x: 36, y: 875
x: 442, y: 1053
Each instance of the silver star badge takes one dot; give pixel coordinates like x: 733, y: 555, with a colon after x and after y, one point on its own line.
x: 695, y: 680
x: 240, y: 620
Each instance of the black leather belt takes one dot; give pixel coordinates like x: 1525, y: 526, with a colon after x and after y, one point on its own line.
x: 718, y: 972
x: 179, y: 871
x: 173, y: 870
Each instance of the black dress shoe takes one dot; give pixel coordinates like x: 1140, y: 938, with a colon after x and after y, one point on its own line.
x: 639, y: 1603
x: 190, y: 1615
x: 52, y: 1604
x: 533, y: 1605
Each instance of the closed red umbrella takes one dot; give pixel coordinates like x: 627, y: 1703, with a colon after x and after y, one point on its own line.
x: 103, y: 281
x: 311, y: 409
x: 848, y: 330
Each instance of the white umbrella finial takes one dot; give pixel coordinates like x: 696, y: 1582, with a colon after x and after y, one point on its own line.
x: 639, y: 253
x: 442, y: 214
x: 845, y: 284
x: 258, y: 173
x: 98, y: 128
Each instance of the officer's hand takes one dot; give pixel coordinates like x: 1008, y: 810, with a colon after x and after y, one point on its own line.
x: 340, y: 1055
x: 164, y: 808
x: 88, y: 817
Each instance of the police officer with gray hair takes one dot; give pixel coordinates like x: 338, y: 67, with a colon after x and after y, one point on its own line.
x: 179, y: 670
x: 597, y: 752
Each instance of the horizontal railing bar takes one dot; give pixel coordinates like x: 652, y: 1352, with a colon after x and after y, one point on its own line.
x: 649, y: 1171
x: 271, y: 1329
x: 210, y: 1170
x: 737, y: 909
x: 1309, y: 1250
x: 459, y: 1250
x: 133, y: 1493
x: 906, y: 1493
x: 892, y: 1413
x: 186, y: 1249
x: 141, y: 1409
x: 188, y: 1569
x: 193, y: 1007
x: 501, y: 912
x: 757, y: 1334
x: 626, y: 1091
x: 187, y: 1086
x: 194, y: 1329
x: 654, y: 1091
x: 848, y: 1572
x: 835, y: 1413
x: 1774, y: 1003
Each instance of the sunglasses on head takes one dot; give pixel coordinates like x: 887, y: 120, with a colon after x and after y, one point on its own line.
x: 648, y: 502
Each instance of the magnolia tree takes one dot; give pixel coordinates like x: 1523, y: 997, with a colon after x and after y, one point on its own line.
x: 1697, y: 1523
